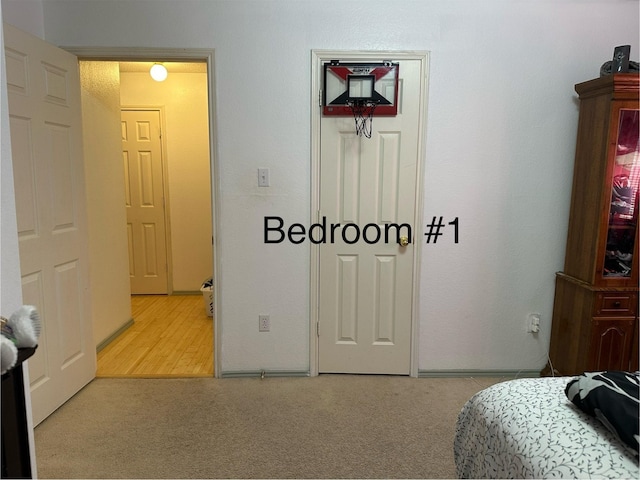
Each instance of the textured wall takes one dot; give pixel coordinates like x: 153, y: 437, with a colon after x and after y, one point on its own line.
x: 110, y: 290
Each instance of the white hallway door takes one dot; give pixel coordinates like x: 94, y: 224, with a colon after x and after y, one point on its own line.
x: 46, y: 142
x: 145, y: 203
x: 365, y: 291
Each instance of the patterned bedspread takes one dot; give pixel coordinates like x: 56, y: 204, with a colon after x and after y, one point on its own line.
x: 527, y: 428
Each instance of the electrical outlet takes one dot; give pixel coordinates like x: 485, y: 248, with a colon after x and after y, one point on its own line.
x: 533, y: 323
x: 264, y: 323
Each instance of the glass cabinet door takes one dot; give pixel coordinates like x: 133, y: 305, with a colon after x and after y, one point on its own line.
x: 623, y: 211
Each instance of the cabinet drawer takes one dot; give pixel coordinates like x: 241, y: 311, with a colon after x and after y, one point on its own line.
x: 613, y: 303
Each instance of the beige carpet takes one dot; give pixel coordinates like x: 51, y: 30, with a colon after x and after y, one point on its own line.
x: 331, y: 426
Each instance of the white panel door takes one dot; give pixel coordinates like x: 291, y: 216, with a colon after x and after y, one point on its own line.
x: 46, y: 142
x: 144, y: 192
x: 365, y: 292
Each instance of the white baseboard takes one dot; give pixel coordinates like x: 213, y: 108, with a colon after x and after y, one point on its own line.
x: 421, y: 373
x: 478, y: 373
x: 264, y: 373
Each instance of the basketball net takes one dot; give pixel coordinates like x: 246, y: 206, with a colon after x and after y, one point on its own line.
x: 363, y: 115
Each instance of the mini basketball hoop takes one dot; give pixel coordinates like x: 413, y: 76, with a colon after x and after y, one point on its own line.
x: 359, y: 89
x: 362, y: 110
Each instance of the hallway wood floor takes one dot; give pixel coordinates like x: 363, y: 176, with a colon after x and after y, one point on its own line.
x: 172, y: 337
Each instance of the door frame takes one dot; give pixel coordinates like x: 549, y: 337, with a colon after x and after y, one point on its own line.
x: 165, y: 185
x: 142, y: 54
x: 317, y: 59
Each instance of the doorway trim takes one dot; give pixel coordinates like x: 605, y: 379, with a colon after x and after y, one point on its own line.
x: 142, y: 54
x: 317, y: 59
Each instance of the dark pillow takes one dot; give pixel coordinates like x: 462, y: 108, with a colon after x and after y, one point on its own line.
x: 613, y: 398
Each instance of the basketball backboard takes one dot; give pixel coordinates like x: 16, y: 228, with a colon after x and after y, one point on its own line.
x: 372, y: 82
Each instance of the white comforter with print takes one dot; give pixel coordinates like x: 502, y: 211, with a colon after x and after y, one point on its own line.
x: 527, y: 428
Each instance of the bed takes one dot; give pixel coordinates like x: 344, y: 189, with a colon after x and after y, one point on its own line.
x: 528, y: 428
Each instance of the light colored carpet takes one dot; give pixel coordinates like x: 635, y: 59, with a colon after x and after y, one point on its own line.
x: 331, y: 426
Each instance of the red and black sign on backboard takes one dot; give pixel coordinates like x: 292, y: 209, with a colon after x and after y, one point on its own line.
x: 371, y: 82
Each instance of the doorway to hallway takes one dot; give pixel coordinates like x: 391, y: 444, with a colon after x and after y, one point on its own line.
x: 183, y: 175
x: 167, y: 169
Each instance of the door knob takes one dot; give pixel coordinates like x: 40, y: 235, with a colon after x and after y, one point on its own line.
x: 404, y: 241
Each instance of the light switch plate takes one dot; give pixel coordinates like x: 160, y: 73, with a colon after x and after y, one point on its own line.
x: 263, y: 177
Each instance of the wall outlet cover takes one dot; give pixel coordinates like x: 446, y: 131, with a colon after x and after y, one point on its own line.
x: 264, y: 323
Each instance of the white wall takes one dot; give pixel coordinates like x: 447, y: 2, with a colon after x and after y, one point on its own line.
x: 183, y: 97
x: 10, y: 284
x: 27, y: 15
x: 500, y: 140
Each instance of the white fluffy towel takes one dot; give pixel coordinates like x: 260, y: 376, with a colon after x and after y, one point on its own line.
x: 25, y: 323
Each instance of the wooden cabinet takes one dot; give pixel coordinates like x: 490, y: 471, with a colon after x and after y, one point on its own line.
x: 16, y: 457
x: 595, y: 314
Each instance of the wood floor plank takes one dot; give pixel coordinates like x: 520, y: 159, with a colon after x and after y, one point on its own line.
x: 171, y: 337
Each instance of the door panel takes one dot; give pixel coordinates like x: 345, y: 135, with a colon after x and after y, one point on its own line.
x: 46, y: 143
x: 368, y: 187
x: 33, y: 293
x: 144, y: 193
x: 611, y: 343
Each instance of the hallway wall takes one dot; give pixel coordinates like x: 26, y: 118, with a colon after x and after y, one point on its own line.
x: 108, y: 251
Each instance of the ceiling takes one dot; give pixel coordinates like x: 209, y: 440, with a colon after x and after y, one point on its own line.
x: 172, y: 67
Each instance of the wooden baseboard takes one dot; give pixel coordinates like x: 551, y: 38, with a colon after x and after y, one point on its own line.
x: 114, y: 335
x: 155, y: 375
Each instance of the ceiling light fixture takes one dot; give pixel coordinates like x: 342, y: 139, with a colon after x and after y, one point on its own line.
x: 158, y: 72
